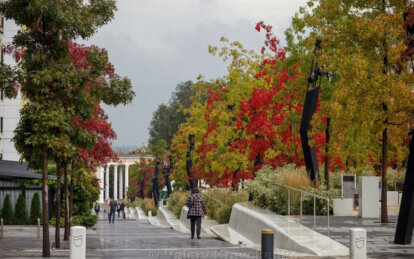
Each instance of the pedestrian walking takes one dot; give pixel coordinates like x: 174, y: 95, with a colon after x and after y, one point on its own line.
x: 122, y: 207
x: 97, y: 208
x: 196, y: 210
x: 113, y: 205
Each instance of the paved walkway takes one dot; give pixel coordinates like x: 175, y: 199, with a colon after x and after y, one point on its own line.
x: 132, y: 239
x: 380, y: 236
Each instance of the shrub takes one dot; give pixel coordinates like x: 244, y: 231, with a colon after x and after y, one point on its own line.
x: 20, y: 215
x: 219, y: 202
x: 127, y: 203
x: 35, y: 211
x: 7, y: 212
x: 148, y: 205
x: 88, y: 220
x: 268, y: 195
x: 138, y: 202
x: 176, y: 202
x: 52, y: 222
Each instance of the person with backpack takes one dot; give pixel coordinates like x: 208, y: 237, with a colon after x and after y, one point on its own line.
x: 112, y: 204
x: 122, y: 208
x: 97, y: 208
x: 196, y: 210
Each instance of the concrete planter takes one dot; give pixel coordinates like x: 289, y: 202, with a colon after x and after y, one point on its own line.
x: 392, y: 198
x: 343, y: 207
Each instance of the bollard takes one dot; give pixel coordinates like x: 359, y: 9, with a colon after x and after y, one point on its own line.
x: 38, y: 228
x: 149, y: 214
x: 1, y: 231
x: 267, y: 244
x: 77, y: 242
x: 358, y: 243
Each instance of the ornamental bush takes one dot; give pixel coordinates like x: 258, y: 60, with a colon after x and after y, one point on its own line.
x: 148, y: 205
x: 88, y: 220
x: 20, y: 215
x: 6, y: 211
x: 219, y: 202
x: 268, y: 195
x: 35, y: 211
x: 176, y: 201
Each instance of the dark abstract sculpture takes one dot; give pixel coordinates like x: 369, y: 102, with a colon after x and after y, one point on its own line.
x: 189, y: 162
x: 309, y: 153
x: 405, y: 224
x: 309, y: 108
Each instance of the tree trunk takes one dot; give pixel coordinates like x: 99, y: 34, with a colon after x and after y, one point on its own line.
x: 384, y: 211
x: 328, y: 120
x: 58, y: 203
x: 45, y: 204
x: 67, y: 227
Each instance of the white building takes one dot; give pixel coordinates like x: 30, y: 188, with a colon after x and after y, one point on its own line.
x: 9, y: 108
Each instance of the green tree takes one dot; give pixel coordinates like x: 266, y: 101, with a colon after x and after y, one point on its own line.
x: 46, y: 78
x: 362, y: 41
x: 20, y: 215
x: 35, y: 211
x: 6, y: 211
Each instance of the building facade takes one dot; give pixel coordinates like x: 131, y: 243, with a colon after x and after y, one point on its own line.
x: 9, y: 108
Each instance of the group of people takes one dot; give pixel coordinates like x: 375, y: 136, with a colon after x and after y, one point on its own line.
x: 196, y: 210
x: 113, y: 207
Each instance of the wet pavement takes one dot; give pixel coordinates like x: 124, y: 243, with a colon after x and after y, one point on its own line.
x: 380, y: 237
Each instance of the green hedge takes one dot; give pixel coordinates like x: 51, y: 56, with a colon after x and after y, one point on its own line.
x: 6, y: 211
x: 88, y: 220
x: 35, y: 211
x: 20, y: 215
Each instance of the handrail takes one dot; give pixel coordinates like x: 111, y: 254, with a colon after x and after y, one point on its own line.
x: 301, y: 201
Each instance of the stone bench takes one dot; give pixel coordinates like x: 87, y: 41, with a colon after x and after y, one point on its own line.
x: 290, y: 237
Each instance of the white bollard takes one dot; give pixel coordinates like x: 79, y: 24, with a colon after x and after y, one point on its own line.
x: 77, y: 242
x: 38, y: 228
x: 149, y: 214
x: 358, y: 243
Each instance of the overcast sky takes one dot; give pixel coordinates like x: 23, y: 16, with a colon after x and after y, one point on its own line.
x: 160, y: 43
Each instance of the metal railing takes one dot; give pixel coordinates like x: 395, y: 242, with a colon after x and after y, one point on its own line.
x: 301, y: 203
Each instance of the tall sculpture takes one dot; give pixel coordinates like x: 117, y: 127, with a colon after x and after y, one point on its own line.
x: 309, y: 109
x: 405, y: 223
x: 189, y: 162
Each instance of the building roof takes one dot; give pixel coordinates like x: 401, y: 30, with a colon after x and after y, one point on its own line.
x: 13, y: 170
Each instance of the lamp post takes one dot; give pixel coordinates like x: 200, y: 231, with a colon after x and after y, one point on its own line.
x: 155, y: 189
x: 189, y: 161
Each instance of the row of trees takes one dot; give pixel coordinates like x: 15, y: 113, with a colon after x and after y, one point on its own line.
x: 20, y: 216
x: 251, y: 116
x: 64, y: 84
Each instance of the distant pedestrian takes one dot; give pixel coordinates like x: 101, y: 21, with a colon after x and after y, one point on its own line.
x: 122, y: 207
x: 113, y: 205
x: 196, y: 210
x: 97, y: 208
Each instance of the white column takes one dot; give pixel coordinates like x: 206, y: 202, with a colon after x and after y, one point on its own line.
x: 126, y: 179
x: 121, y: 190
x: 116, y: 181
x: 107, y: 182
x: 101, y: 184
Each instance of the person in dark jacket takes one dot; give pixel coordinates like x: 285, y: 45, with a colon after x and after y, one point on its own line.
x: 196, y: 210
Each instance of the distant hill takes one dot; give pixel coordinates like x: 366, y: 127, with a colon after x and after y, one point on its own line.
x: 124, y: 149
